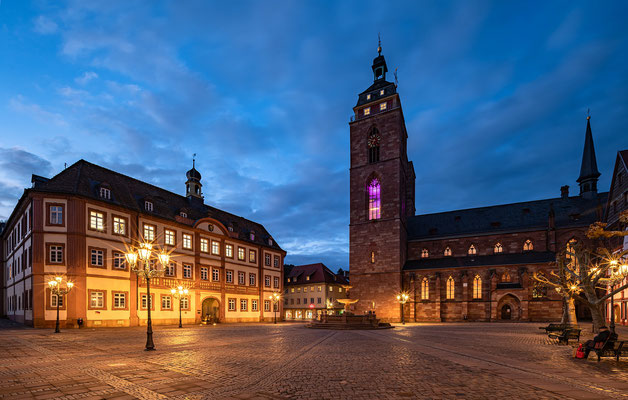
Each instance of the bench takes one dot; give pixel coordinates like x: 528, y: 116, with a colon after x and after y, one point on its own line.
x: 611, y: 348
x: 557, y: 327
x: 567, y: 334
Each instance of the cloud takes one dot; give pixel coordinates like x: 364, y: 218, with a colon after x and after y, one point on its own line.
x: 35, y: 111
x: 44, y: 25
x: 86, y: 77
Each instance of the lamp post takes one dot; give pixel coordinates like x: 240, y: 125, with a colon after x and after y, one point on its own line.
x: 56, y: 288
x: 179, y: 293
x: 142, y: 261
x: 618, y: 272
x: 275, y: 297
x: 402, y: 298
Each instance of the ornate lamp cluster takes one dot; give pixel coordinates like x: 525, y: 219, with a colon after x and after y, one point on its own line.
x: 179, y: 293
x: 275, y: 297
x: 143, y: 261
x: 58, y: 288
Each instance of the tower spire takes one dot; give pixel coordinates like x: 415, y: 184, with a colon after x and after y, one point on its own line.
x: 379, y: 44
x: 589, y: 173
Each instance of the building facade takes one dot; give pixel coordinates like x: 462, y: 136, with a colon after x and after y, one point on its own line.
x: 79, y: 224
x: 312, y: 290
x: 476, y: 264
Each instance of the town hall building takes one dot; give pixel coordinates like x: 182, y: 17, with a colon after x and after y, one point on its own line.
x: 474, y: 264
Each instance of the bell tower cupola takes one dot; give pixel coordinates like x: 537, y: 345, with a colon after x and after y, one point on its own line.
x: 379, y: 65
x: 193, y: 184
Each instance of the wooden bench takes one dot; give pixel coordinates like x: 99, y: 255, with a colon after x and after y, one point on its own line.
x: 610, y: 348
x: 557, y: 327
x: 569, y: 333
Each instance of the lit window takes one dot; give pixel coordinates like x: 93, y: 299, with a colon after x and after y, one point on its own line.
x: 382, y: 106
x: 169, y: 237
x: 368, y: 96
x: 241, y: 254
x: 232, y: 305
x: 148, y: 206
x: 97, y: 258
x: 187, y: 271
x: 105, y: 193
x: 119, y: 225
x: 570, y: 249
x: 119, y: 261
x: 253, y: 305
x: 527, y: 246
x: 320, y: 288
x: 367, y: 110
x: 56, y: 215
x: 204, y: 245
x: 215, y: 275
x: 381, y: 92
x: 187, y: 241
x: 267, y: 280
x: 447, y: 251
x: 498, y: 248
x: 183, y: 214
x: 204, y: 273
x: 241, y: 278
x: 96, y: 221
x: 425, y: 253
x: 56, y: 254
x: 215, y: 248
x: 540, y: 289
x: 425, y: 289
x: 229, y: 276
x: 372, y: 258
x: 374, y: 200
x: 229, y: 250
x: 185, y: 303
x: 477, y: 287
x: 149, y: 232
x: 450, y: 288
x: 252, y: 256
x: 472, y: 250
x: 97, y: 299
x: 166, y: 303
x: 506, y: 277
x: 252, y: 279
x: 119, y: 300
x: 291, y: 290
x: 243, y: 304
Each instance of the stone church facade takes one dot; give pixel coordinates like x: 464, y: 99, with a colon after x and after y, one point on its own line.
x: 474, y: 264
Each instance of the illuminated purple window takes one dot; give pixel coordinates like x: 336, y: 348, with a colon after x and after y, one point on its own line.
x: 374, y: 200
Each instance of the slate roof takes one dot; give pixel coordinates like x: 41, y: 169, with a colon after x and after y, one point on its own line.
x: 84, y: 178
x: 588, y: 168
x: 389, y: 89
x: 516, y: 217
x: 318, y: 273
x: 529, y: 257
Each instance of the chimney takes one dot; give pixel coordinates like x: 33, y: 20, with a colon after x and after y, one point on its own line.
x: 564, y: 191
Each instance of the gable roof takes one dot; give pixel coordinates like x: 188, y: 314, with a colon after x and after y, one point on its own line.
x: 84, y: 178
x: 516, y: 217
x: 620, y: 162
x: 318, y: 273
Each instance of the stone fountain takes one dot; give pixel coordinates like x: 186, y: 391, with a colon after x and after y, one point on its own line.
x: 348, y: 320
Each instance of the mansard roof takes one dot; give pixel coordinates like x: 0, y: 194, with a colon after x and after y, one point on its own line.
x: 568, y: 212
x: 318, y: 273
x: 83, y: 178
x: 528, y: 257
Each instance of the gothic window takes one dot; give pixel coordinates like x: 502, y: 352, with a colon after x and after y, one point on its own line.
x: 527, y: 246
x: 425, y: 289
x: 447, y: 251
x: 539, y: 290
x: 498, y: 248
x: 425, y: 253
x: 570, y: 249
x: 472, y: 250
x: 372, y: 257
x: 374, y: 200
x: 450, y: 288
x: 373, y: 145
x: 477, y: 287
x: 506, y: 277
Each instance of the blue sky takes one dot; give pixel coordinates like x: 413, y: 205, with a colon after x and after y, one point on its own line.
x: 494, y: 94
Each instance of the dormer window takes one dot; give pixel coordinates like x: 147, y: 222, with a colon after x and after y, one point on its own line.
x: 307, y: 278
x: 425, y: 253
x: 447, y: 252
x: 367, y: 111
x: 381, y: 92
x: 472, y: 250
x: 183, y: 214
x: 148, y: 205
x: 382, y: 107
x: 230, y: 228
x: 368, y: 96
x: 252, y: 236
x: 270, y: 241
x: 105, y: 193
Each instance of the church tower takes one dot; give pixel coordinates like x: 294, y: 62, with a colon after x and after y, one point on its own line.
x: 193, y: 184
x: 382, y: 196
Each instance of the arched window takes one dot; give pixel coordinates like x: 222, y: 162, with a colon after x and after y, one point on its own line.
x: 472, y: 250
x: 425, y: 253
x: 373, y: 145
x: 571, y: 247
x: 540, y: 289
x: 374, y: 200
x: 425, y: 289
x: 447, y: 251
x: 372, y: 257
x: 527, y: 246
x: 498, y: 248
x: 477, y: 287
x: 450, y: 288
x: 506, y: 277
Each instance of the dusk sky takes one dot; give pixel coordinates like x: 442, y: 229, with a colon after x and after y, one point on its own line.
x: 495, y: 98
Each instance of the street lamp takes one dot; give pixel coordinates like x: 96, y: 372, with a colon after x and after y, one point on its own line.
x: 275, y: 297
x: 179, y: 293
x: 142, y: 261
x: 402, y: 298
x: 618, y: 272
x: 56, y: 288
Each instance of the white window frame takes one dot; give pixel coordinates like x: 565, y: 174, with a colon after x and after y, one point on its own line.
x: 169, y: 237
x: 119, y: 226
x: 187, y: 241
x: 204, y: 273
x: 187, y: 271
x: 97, y: 221
x: 105, y: 193
x: 56, y: 215
x: 97, y: 300
x: 204, y: 245
x: 119, y: 300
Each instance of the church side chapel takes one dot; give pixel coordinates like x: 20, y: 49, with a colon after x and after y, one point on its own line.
x: 473, y: 264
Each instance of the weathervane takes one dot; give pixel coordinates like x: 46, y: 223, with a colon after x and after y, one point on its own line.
x: 193, y: 160
x: 379, y: 44
x: 588, y: 113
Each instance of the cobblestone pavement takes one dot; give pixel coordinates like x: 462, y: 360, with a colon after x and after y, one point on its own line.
x: 265, y: 361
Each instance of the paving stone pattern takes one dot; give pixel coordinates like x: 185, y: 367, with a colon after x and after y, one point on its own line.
x: 288, y: 361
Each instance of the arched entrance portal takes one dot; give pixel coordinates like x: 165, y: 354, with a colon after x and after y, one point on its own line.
x: 210, y: 310
x: 506, y: 312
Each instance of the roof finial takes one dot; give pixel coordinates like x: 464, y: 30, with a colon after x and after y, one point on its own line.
x: 379, y: 44
x: 588, y: 113
x: 193, y: 160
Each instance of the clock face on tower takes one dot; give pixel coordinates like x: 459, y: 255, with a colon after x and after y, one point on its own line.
x: 373, y: 140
